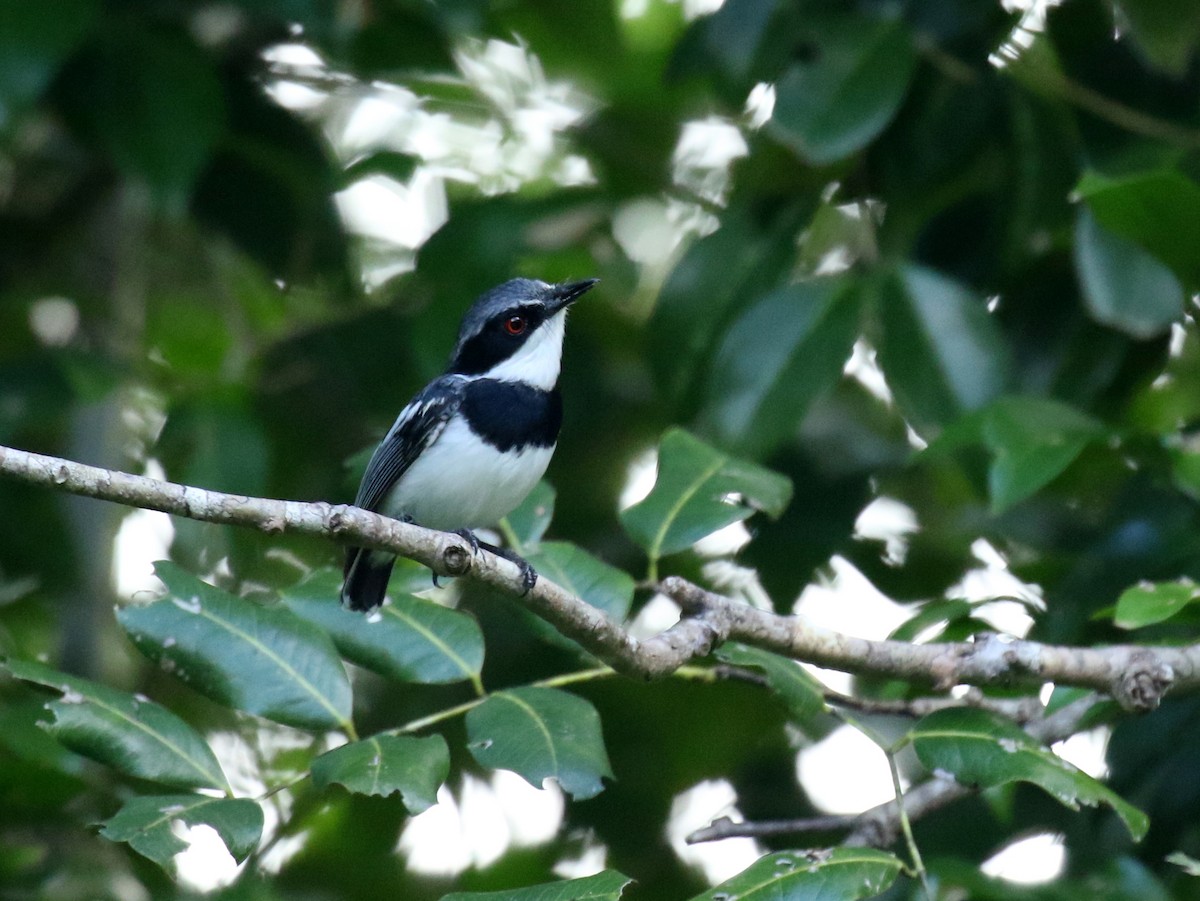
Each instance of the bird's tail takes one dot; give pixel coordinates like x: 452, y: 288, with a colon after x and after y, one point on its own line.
x: 367, y: 573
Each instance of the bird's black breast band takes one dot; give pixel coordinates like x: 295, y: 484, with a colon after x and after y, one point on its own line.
x: 511, y: 416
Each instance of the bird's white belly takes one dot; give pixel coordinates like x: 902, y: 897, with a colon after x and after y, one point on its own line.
x: 462, y: 483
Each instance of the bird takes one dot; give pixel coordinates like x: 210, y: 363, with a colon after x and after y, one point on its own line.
x: 472, y: 444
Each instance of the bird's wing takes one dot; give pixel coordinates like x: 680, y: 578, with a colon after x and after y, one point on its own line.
x: 416, y: 428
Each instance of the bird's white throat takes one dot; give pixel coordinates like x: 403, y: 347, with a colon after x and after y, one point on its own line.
x: 538, y: 360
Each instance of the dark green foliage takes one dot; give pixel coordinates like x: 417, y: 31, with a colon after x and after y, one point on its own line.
x: 1002, y: 217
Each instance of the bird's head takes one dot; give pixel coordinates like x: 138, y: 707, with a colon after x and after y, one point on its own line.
x: 514, y: 332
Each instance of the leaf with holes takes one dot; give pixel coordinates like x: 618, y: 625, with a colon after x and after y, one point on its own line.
x: 604, y: 886
x: 130, y: 734
x: 699, y: 489
x: 264, y: 660
x: 981, y: 748
x: 541, y: 733
x: 841, y: 873
x: 386, y: 764
x: 408, y: 639
x: 146, y: 823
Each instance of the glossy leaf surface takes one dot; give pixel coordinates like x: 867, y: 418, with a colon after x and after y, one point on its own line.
x: 147, y: 824
x: 386, y: 764
x: 259, y: 659
x: 1153, y: 602
x: 694, y: 495
x: 603, y: 586
x: 801, y: 692
x: 781, y: 353
x: 131, y: 734
x: 941, y: 352
x: 541, y: 733
x: 981, y: 748
x: 836, y: 102
x: 842, y: 873
x: 1124, y: 286
x: 1156, y: 209
x: 409, y: 639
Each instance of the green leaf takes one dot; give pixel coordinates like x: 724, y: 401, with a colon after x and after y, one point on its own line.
x: 264, y: 660
x: 941, y: 612
x: 941, y: 351
x: 800, y: 691
x: 153, y: 100
x: 699, y: 489
x: 33, y: 45
x: 787, y: 348
x: 839, y: 100
x: 530, y: 520
x: 745, y: 257
x: 803, y: 695
x: 145, y: 823
x: 130, y: 734
x: 1148, y: 603
x: 408, y: 639
x: 1167, y: 33
x: 605, y: 886
x: 1124, y: 286
x: 386, y: 764
x: 727, y: 42
x: 603, y: 586
x: 1032, y: 441
x: 981, y: 748
x: 841, y: 873
x: 541, y: 733
x: 1156, y: 209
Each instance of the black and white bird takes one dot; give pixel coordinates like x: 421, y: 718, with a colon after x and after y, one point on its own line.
x: 468, y: 448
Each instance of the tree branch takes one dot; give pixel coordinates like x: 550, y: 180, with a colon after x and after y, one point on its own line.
x: 1136, y: 676
x: 880, y: 826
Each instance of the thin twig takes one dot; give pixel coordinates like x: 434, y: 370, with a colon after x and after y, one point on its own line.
x: 881, y: 826
x: 1019, y: 710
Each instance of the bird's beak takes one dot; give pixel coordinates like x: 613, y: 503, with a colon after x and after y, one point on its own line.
x: 568, y: 292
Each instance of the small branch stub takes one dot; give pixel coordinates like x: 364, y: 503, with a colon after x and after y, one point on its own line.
x: 456, y: 560
x: 1140, y: 688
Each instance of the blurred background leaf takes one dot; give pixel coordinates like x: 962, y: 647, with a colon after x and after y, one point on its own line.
x: 235, y: 238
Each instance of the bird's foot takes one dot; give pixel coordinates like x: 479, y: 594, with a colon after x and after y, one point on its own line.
x: 469, y: 537
x: 529, y: 575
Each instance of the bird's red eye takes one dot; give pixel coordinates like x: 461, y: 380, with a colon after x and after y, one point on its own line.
x: 515, y: 325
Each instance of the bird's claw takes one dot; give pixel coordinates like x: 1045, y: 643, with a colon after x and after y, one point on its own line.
x: 469, y: 537
x: 529, y: 575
